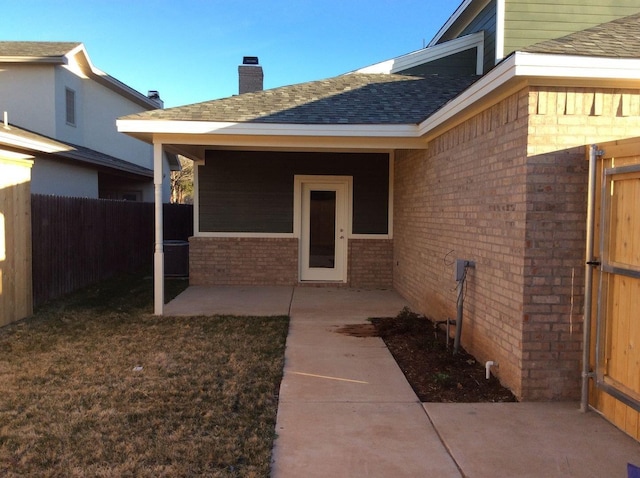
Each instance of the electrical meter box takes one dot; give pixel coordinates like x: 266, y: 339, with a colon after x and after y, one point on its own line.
x: 460, y: 266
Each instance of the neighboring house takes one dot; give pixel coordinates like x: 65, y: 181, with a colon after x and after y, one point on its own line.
x: 383, y: 180
x: 50, y: 93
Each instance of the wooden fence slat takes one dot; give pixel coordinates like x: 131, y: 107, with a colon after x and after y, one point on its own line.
x: 80, y: 241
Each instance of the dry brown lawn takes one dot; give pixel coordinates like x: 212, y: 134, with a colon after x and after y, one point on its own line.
x: 95, y: 385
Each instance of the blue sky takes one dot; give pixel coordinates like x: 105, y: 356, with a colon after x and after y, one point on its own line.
x: 189, y: 50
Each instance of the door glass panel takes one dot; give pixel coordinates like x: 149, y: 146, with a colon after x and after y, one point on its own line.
x: 322, y: 229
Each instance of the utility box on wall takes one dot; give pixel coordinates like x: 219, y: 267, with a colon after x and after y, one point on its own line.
x: 16, y: 295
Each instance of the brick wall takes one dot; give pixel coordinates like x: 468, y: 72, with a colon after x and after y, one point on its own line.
x: 561, y: 122
x: 243, y: 261
x: 465, y: 197
x: 274, y: 261
x: 507, y: 189
x: 371, y: 263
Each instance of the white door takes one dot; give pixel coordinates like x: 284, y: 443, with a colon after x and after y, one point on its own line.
x: 323, y: 234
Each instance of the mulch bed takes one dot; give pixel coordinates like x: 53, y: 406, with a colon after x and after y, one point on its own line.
x: 435, y: 373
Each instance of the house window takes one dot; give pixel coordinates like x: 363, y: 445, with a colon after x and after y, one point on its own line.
x: 70, y: 101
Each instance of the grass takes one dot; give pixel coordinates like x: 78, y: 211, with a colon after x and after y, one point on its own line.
x: 94, y: 385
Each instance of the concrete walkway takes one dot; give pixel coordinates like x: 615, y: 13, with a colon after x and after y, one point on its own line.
x: 346, y: 410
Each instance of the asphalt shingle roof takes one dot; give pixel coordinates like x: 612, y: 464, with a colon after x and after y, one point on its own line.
x: 36, y: 49
x: 618, y: 39
x: 349, y: 99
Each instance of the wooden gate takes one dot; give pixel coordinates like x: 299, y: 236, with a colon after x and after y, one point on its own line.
x: 615, y: 353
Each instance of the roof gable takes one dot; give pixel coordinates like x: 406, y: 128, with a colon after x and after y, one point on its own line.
x: 75, y: 56
x: 616, y: 39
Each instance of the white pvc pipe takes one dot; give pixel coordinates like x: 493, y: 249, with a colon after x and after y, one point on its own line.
x: 158, y: 255
x: 487, y: 368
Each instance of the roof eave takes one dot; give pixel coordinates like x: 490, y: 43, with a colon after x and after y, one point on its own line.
x: 32, y: 143
x: 260, y: 135
x: 51, y: 60
x: 521, y: 69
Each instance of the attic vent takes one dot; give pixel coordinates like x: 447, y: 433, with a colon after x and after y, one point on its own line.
x: 250, y: 60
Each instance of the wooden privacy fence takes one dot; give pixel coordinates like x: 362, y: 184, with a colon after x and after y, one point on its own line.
x: 80, y: 241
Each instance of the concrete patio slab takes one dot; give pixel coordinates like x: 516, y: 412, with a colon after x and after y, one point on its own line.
x: 231, y: 300
x: 346, y: 409
x: 532, y: 440
x: 344, y: 305
x: 345, y: 439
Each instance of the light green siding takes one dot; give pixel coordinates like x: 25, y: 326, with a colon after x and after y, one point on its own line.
x: 532, y: 21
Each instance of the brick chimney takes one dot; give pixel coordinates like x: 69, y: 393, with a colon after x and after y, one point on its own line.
x: 250, y: 75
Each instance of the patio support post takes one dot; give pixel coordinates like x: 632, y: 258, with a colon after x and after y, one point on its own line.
x: 158, y: 255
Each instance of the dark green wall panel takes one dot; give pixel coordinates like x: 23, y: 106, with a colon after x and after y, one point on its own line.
x: 253, y: 191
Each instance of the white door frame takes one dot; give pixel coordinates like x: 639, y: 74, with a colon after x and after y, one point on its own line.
x: 303, y: 185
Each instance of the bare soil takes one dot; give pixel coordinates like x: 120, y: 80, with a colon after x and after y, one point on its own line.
x: 435, y: 373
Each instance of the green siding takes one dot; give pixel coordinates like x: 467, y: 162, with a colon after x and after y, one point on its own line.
x: 253, y: 191
x: 485, y: 21
x: 462, y: 63
x: 531, y: 21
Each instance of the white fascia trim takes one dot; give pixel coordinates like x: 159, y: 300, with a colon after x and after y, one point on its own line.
x: 425, y: 55
x: 55, y: 60
x: 452, y: 19
x: 531, y: 66
x: 9, y: 139
x: 576, y: 67
x: 483, y: 87
x: 13, y: 157
x: 264, y: 129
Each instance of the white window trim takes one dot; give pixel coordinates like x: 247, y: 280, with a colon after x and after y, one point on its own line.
x: 326, y: 179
